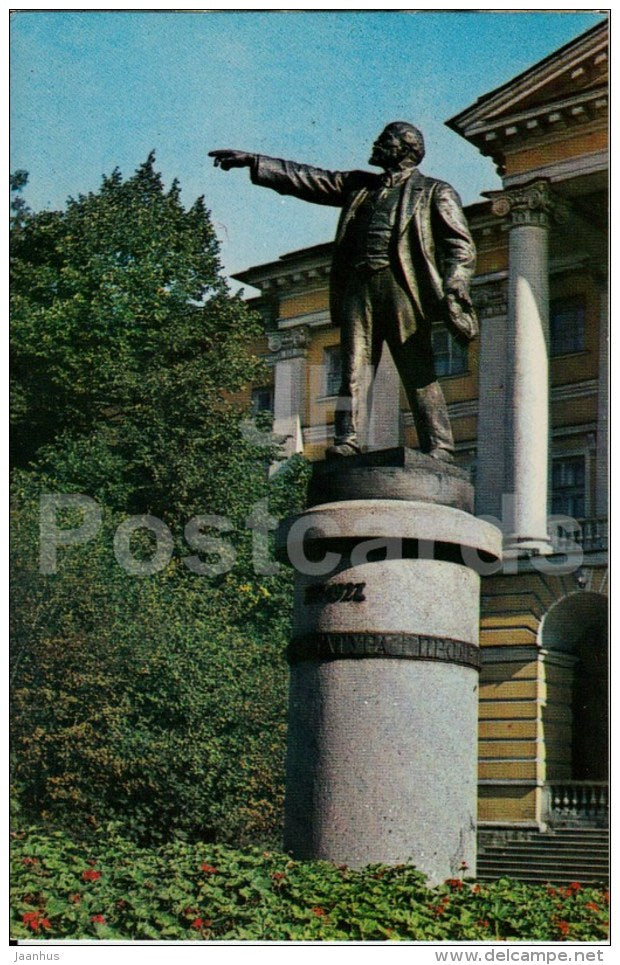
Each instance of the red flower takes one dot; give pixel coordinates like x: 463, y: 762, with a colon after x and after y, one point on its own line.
x: 90, y: 875
x: 551, y: 891
x: 34, y: 922
x: 278, y: 875
x: 573, y: 887
x: 592, y: 906
x: 209, y: 869
x: 319, y: 912
x: 75, y: 898
x: 98, y: 919
x: 455, y: 883
x: 606, y: 897
x: 199, y: 923
x: 483, y: 922
x: 28, y: 861
x: 563, y: 927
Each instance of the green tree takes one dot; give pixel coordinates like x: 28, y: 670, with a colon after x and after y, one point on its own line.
x: 126, y: 346
x: 157, y: 700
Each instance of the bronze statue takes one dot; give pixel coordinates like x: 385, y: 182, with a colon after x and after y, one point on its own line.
x: 403, y: 258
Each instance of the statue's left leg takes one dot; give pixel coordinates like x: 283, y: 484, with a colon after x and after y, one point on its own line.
x: 413, y: 356
x: 414, y: 361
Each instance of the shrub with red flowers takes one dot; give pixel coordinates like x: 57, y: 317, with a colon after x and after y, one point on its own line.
x: 34, y: 921
x: 183, y: 891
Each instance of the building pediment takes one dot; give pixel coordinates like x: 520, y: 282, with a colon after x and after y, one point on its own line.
x: 568, y: 88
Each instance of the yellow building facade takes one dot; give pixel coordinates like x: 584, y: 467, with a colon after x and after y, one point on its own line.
x: 543, y: 632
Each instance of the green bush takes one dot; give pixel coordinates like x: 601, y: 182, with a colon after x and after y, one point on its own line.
x: 158, y: 700
x: 109, y: 889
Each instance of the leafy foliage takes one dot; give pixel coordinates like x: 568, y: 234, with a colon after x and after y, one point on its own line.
x: 159, y: 700
x: 108, y: 889
x: 126, y: 346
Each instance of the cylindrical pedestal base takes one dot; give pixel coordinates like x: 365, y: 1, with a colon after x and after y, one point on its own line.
x: 382, y: 764
x: 382, y: 747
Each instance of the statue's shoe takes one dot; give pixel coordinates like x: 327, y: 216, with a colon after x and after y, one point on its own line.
x: 441, y: 455
x: 344, y: 449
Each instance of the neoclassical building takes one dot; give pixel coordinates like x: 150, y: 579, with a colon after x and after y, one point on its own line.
x: 528, y: 403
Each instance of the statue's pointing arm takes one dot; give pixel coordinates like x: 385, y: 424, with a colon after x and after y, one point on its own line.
x: 301, y: 180
x: 288, y: 177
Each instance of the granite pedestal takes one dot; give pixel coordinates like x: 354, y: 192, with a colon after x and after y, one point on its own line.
x: 381, y: 760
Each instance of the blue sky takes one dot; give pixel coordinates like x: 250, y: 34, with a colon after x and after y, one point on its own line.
x: 96, y: 90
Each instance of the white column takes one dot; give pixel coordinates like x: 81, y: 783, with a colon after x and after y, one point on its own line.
x: 490, y: 302
x: 384, y: 421
x: 527, y: 408
x: 290, y: 353
x: 602, y: 431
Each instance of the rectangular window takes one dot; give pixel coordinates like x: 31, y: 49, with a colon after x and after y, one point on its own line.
x: 332, y: 364
x: 568, y: 486
x: 450, y: 357
x: 567, y: 325
x: 262, y: 400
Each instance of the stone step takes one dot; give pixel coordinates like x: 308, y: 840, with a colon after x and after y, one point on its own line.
x: 580, y: 832
x: 527, y: 876
x: 578, y: 844
x: 542, y: 848
x: 545, y: 861
x: 538, y: 861
x: 589, y: 834
x: 556, y: 857
x: 570, y: 868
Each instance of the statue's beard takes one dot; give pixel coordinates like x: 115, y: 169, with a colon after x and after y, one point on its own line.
x: 387, y: 160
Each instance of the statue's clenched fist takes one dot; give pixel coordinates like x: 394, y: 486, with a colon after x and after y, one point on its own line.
x: 227, y: 159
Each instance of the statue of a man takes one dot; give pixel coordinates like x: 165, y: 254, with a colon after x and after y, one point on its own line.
x: 403, y: 258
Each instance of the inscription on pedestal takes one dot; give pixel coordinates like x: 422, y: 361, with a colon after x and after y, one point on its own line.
x: 408, y: 646
x: 335, y: 593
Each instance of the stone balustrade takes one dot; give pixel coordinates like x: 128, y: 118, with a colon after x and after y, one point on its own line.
x: 570, y: 802
x: 591, y: 535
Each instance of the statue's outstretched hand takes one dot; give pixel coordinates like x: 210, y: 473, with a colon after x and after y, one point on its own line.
x: 227, y: 159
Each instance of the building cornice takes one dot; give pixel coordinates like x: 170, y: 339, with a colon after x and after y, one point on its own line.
x: 531, y: 107
x: 295, y: 271
x: 597, y: 162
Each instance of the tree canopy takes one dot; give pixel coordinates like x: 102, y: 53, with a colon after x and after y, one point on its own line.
x: 127, y: 346
x: 160, y: 700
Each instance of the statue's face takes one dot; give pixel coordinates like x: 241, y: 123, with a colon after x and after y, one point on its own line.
x: 389, y: 149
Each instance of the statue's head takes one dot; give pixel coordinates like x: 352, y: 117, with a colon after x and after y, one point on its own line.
x: 396, y: 142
